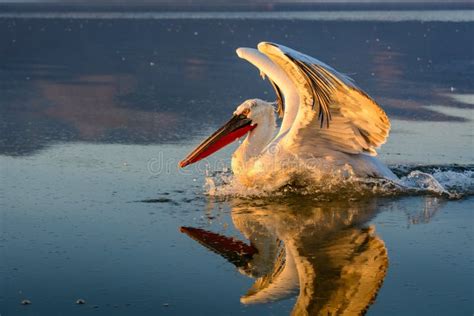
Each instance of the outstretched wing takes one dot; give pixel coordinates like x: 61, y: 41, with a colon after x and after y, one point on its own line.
x: 286, y: 92
x: 333, y: 113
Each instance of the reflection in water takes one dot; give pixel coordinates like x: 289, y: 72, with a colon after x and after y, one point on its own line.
x: 90, y: 105
x: 152, y: 81
x: 325, y: 253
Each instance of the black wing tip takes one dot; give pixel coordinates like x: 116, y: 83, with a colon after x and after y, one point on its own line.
x: 321, y: 85
x: 280, y: 103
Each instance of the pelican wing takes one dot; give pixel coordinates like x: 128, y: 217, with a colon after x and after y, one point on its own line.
x: 286, y: 92
x: 333, y: 113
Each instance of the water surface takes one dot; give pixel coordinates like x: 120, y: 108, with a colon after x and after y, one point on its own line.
x: 96, y: 112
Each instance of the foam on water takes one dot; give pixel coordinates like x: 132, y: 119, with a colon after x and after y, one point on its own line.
x: 450, y: 181
x: 445, y: 179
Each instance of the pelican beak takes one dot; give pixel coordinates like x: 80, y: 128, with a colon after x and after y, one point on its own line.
x: 234, y: 250
x: 236, y: 127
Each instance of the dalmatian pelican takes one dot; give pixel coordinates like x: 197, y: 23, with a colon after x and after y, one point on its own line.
x: 329, y: 126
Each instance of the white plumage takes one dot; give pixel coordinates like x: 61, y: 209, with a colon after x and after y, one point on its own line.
x: 329, y: 127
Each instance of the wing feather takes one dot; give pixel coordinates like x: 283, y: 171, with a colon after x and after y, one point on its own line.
x: 333, y: 113
x: 279, y: 101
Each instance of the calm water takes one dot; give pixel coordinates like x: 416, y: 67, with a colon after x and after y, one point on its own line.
x: 97, y: 110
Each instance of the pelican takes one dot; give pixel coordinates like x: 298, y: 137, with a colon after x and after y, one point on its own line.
x: 329, y: 126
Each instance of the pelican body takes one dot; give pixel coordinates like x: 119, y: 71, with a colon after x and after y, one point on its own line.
x: 329, y: 127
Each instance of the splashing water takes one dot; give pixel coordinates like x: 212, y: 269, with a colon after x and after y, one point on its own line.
x: 450, y: 181
x: 453, y: 180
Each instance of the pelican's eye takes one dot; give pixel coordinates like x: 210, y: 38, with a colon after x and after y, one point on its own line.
x: 245, y: 112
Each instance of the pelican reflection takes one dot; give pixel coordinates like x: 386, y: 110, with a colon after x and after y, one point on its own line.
x: 323, y: 252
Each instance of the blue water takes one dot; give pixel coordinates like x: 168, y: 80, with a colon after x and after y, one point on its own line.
x: 96, y: 111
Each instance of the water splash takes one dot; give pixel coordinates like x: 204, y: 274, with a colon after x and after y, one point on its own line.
x: 455, y: 180
x: 450, y: 181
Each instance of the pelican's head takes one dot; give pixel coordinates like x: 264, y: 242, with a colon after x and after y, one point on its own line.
x: 246, y: 117
x: 256, y: 110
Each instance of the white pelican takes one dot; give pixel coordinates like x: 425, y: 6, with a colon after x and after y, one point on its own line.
x: 329, y: 125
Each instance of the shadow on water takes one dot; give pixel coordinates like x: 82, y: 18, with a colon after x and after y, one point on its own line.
x: 324, y: 253
x: 142, y: 81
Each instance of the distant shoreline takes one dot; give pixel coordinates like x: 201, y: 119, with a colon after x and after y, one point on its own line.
x: 378, y: 16
x: 243, y: 6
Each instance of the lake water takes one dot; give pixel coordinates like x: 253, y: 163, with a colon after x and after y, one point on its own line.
x: 96, y: 110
